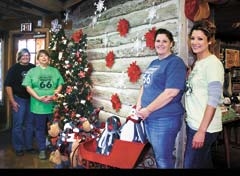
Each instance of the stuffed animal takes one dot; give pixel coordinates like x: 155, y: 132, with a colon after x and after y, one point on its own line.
x: 53, y: 134
x: 86, y: 126
x: 133, y: 129
x: 54, y: 129
x: 74, y: 157
x: 55, y: 158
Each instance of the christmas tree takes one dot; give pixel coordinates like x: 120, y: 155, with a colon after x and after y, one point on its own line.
x: 70, y: 58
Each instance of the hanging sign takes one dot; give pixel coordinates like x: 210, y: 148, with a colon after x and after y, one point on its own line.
x: 26, y: 27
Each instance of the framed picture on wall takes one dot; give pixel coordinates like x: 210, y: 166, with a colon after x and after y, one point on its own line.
x: 231, y: 58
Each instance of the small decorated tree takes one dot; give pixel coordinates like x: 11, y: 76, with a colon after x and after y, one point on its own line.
x: 69, y: 56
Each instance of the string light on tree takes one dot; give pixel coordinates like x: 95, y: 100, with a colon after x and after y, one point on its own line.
x: 70, y: 57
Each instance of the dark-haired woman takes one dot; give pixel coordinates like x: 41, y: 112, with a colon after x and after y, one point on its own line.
x: 203, y: 97
x: 159, y: 103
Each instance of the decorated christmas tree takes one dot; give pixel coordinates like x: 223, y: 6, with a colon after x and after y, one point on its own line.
x: 70, y: 58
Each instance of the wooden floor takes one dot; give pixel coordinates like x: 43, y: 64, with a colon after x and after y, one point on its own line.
x: 9, y: 160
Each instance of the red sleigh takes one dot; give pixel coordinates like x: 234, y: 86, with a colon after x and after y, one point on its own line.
x: 124, y: 154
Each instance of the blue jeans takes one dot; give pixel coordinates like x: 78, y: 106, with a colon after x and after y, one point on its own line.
x: 161, y: 134
x: 41, y: 129
x: 199, y: 158
x: 22, y: 125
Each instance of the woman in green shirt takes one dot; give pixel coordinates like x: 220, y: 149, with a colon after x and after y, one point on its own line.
x: 42, y: 83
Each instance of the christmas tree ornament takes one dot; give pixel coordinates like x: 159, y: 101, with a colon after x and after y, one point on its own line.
x: 123, y: 27
x: 77, y: 35
x: 55, y: 27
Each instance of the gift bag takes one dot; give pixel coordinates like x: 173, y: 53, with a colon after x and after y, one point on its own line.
x: 109, y: 134
x: 133, y: 129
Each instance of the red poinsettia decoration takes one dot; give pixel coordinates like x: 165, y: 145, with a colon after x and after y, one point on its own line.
x: 149, y: 36
x: 123, y: 26
x: 77, y: 35
x: 116, y: 103
x: 134, y: 72
x: 110, y: 59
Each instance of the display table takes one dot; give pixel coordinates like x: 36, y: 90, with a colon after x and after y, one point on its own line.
x: 227, y: 126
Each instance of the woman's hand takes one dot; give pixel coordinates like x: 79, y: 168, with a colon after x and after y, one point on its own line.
x: 15, y: 106
x: 143, y: 113
x: 46, y: 99
x: 198, y: 140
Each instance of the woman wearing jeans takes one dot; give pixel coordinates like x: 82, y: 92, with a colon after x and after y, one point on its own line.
x: 203, y: 97
x: 42, y: 83
x: 159, y: 103
x: 22, y: 122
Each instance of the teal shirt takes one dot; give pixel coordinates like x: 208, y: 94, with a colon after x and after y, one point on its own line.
x: 44, y: 82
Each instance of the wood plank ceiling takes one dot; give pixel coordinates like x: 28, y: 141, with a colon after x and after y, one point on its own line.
x: 17, y: 9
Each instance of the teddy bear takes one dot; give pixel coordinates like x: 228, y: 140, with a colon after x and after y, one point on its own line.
x: 74, y: 157
x: 55, y: 158
x: 53, y: 134
x: 54, y: 129
x: 60, y: 160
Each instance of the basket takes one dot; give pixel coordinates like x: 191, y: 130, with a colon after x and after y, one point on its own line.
x: 124, y: 154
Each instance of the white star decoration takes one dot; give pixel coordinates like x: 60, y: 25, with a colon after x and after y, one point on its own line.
x: 105, y: 41
x: 100, y: 7
x: 121, y: 81
x: 94, y: 21
x: 152, y: 14
x: 138, y: 45
x: 66, y: 14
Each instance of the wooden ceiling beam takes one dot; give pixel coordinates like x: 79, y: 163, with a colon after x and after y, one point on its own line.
x: 50, y: 5
x: 70, y: 3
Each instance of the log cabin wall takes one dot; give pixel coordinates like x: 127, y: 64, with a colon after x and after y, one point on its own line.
x: 104, y: 37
